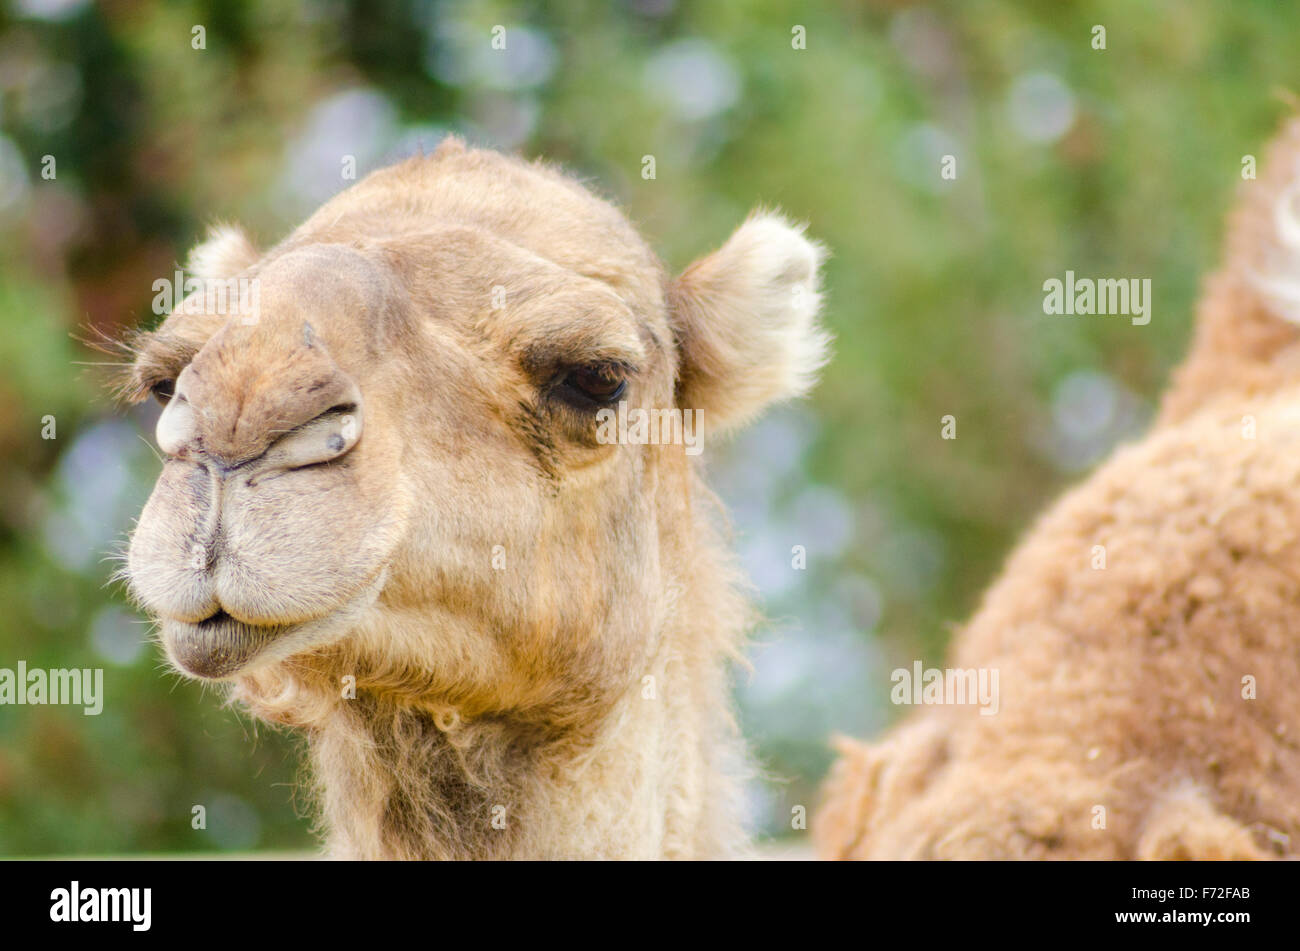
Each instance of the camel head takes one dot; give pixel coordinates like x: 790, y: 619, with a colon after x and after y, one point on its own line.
x: 390, y: 464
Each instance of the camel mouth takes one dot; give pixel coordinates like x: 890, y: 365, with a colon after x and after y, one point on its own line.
x: 221, y: 646
x: 217, y: 646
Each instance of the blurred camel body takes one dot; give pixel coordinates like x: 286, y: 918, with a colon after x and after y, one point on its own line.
x: 386, y: 518
x: 1146, y: 632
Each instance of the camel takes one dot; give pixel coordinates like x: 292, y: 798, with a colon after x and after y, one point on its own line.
x: 1145, y: 629
x: 385, y: 519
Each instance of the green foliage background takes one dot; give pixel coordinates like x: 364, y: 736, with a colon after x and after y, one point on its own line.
x: 1116, y: 162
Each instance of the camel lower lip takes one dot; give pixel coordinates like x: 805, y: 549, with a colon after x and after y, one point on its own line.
x: 215, y: 647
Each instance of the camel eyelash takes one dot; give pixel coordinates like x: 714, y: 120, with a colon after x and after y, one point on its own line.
x: 163, y: 390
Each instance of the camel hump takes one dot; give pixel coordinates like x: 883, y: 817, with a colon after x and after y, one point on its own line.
x: 1248, y: 322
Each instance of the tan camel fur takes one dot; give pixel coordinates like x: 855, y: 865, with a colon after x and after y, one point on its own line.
x: 387, y: 518
x: 1147, y: 630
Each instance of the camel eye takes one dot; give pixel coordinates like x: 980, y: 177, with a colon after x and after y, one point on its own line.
x: 598, y: 384
x: 163, y: 391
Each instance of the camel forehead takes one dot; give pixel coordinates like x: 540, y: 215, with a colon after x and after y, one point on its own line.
x: 326, y: 305
x: 331, y: 287
x: 472, y: 241
x: 322, y: 274
x: 329, y: 290
x: 461, y: 279
x: 530, y: 205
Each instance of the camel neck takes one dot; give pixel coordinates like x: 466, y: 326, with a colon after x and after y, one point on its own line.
x: 407, y: 784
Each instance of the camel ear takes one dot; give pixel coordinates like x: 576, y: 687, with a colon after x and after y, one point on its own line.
x: 225, y: 252
x: 745, y: 317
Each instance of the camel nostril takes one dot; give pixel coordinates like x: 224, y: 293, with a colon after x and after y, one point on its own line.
x: 329, y: 436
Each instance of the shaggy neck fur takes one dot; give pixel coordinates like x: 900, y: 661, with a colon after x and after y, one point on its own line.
x: 650, y: 771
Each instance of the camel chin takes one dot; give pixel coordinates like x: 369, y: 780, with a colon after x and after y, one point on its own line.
x: 217, y: 647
